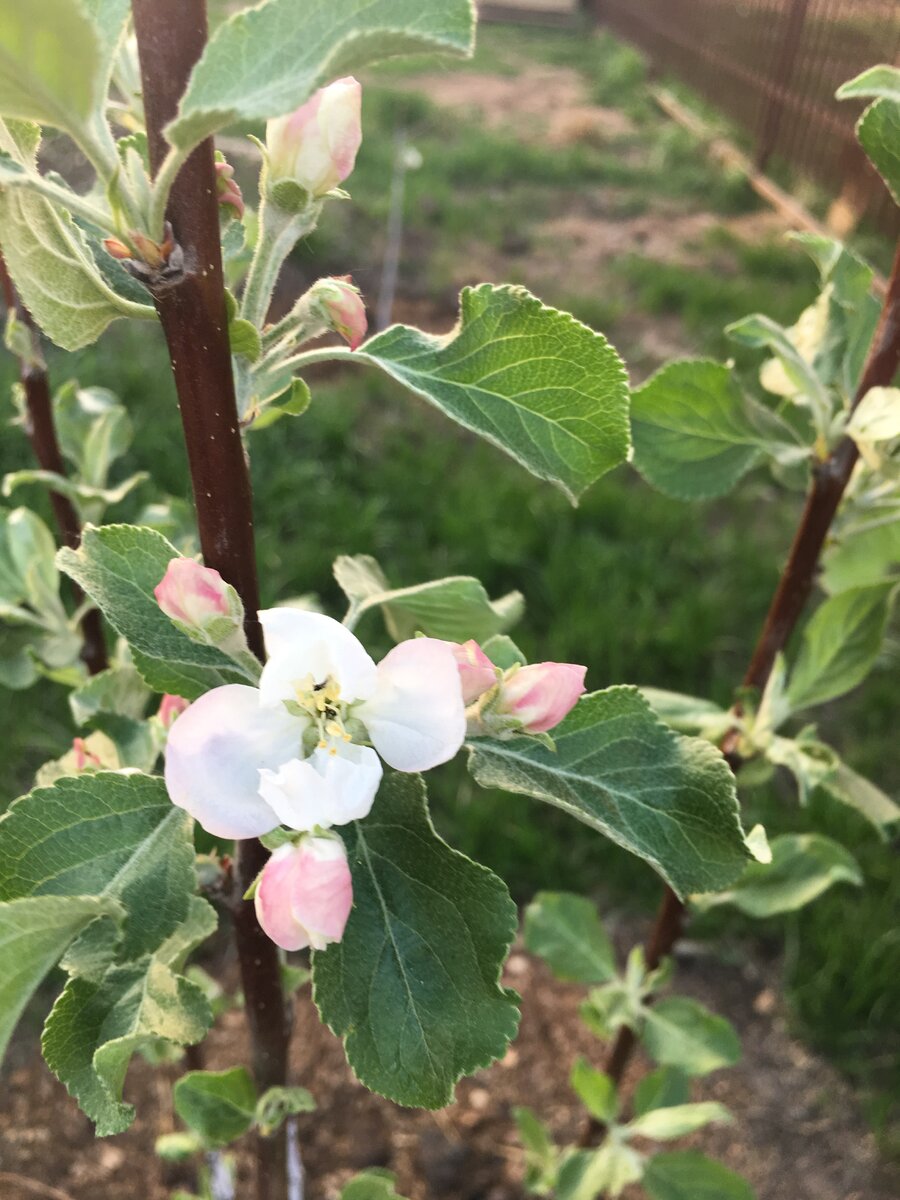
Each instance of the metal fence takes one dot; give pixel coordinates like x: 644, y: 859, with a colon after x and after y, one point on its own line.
x: 773, y: 67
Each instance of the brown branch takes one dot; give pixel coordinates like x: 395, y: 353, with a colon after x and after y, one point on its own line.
x: 171, y: 35
x: 41, y: 431
x: 795, y: 586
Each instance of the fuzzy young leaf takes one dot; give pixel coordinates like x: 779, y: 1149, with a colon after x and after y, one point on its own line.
x: 268, y: 60
x: 279, y: 1103
x: 762, y: 332
x: 863, y: 557
x: 541, y: 1154
x: 219, y: 1105
x: 679, y: 1032
x: 882, y: 80
x: 879, y: 134
x: 455, y: 609
x: 689, y: 1175
x: 532, y: 380
x: 689, y: 714
x: 596, y: 1091
x: 118, y: 690
x: 34, y: 934
x: 118, y: 566
x: 666, y: 798
x: 803, y: 866
x: 565, y: 931
x: 413, y: 987
x: 49, y: 63
x: 677, y: 1120
x: 870, y: 801
x: 590, y: 1174
x: 695, y: 434
x: 661, y: 1089
x: 840, y: 645
x: 371, y: 1185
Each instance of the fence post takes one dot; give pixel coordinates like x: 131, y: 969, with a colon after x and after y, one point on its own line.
x: 784, y: 69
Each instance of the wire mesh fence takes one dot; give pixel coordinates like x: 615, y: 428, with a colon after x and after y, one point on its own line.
x: 773, y: 67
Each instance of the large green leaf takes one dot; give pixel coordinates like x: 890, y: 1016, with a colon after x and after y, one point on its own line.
x: 862, y: 557
x: 840, y: 644
x: 677, y: 1120
x: 267, y: 60
x: 532, y: 380
x: 51, y: 262
x: 219, y: 1105
x: 119, y: 566
x: 49, y: 62
x: 34, y: 933
x: 695, y: 433
x: 413, y: 987
x: 879, y: 133
x: 803, y: 866
x: 105, y: 834
x: 565, y: 931
x: 881, y: 80
x: 689, y: 1175
x: 667, y: 798
x: 456, y: 608
x: 596, y: 1091
x: 679, y: 1032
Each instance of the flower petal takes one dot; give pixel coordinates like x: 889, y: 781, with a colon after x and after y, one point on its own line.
x: 416, y: 718
x: 305, y: 894
x: 300, y: 644
x: 214, y: 754
x: 325, y: 789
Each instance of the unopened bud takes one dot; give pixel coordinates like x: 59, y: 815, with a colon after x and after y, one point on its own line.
x: 342, y: 308
x: 116, y: 248
x: 315, y: 146
x: 199, y: 600
x: 305, y: 893
x: 227, y: 189
x: 477, y: 674
x: 170, y: 708
x: 537, y: 697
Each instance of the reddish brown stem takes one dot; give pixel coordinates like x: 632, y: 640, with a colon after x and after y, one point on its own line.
x: 41, y: 431
x: 171, y: 35
x: 830, y: 480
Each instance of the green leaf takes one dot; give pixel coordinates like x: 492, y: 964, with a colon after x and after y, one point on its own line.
x: 279, y: 1103
x: 243, y: 337
x: 879, y: 134
x: 34, y: 934
x: 695, y: 434
x: 455, y: 609
x: 678, y: 1120
x: 565, y: 931
x: 877, y: 416
x: 371, y: 1185
x: 118, y: 566
x: 268, y: 60
x: 840, y: 644
x: 589, y: 1174
x: 666, y: 798
x: 541, y: 1155
x: 596, y: 1091
x: 803, y: 866
x: 660, y: 1089
x: 532, y: 380
x: 762, y: 332
x: 103, y: 834
x: 689, y: 1175
x: 97, y: 1024
x: 882, y: 80
x: 846, y: 785
x: 679, y: 1032
x: 862, y: 557
x: 219, y: 1105
x: 689, y: 714
x: 52, y: 266
x: 117, y: 690
x: 49, y: 63
x: 413, y: 986
x: 503, y: 651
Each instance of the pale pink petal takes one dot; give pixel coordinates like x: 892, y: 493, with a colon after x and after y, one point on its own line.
x: 302, y: 644
x: 477, y: 674
x: 305, y: 894
x: 215, y: 752
x: 416, y: 718
x: 542, y: 694
x: 191, y: 593
x: 325, y: 789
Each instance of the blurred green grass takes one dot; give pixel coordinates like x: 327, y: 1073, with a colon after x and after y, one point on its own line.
x: 638, y: 587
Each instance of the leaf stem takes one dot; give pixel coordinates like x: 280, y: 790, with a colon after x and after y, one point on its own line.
x: 795, y: 586
x: 279, y: 233
x: 41, y: 431
x: 171, y: 35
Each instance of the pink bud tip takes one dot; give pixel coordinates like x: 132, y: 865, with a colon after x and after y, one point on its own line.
x: 316, y: 145
x: 344, y: 308
x: 542, y: 694
x: 227, y: 189
x: 305, y: 894
x: 477, y: 673
x: 84, y: 758
x: 171, y: 707
x: 191, y: 593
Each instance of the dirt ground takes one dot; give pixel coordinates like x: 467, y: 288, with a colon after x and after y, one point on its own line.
x: 799, y: 1133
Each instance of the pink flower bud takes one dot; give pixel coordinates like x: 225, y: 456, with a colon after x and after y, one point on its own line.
x: 305, y: 894
x: 342, y: 308
x: 227, y: 189
x: 116, y: 248
x: 477, y: 673
x: 316, y: 145
x: 171, y: 707
x: 540, y: 696
x: 85, y: 759
x: 192, y: 594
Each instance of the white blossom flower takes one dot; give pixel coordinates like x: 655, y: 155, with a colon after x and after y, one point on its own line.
x: 300, y: 750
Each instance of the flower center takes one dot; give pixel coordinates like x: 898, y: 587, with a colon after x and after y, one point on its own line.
x: 322, y: 703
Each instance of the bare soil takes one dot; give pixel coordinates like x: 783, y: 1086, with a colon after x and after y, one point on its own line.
x: 798, y: 1135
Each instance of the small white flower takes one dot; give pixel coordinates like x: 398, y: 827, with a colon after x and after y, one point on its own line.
x: 243, y: 760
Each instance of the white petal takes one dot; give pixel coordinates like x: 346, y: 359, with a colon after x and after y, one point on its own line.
x: 325, y: 789
x: 416, y: 719
x: 214, y: 754
x: 303, y: 643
